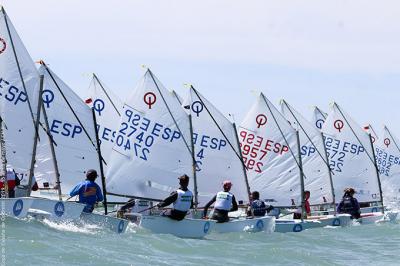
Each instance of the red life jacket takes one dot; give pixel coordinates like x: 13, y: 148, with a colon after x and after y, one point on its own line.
x: 10, y: 181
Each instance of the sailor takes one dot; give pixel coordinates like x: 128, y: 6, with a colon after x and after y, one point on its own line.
x: 257, y: 207
x: 22, y: 189
x: 307, y: 208
x: 12, y: 182
x: 89, y: 192
x: 182, y: 200
x: 225, y: 202
x: 349, y: 204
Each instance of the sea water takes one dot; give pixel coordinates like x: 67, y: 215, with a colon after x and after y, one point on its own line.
x: 31, y: 242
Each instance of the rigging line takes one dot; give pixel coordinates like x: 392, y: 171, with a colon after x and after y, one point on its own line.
x: 219, y: 128
x: 133, y: 197
x: 308, y: 137
x: 69, y: 105
x: 170, y: 113
x: 321, y: 113
x: 280, y: 130
x: 354, y: 133
x: 18, y: 66
x: 104, y: 90
x: 376, y: 135
x: 390, y: 134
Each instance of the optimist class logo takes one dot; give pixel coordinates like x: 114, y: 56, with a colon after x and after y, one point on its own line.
x: 3, y: 45
x: 149, y: 98
x: 261, y: 120
x: 386, y: 142
x: 339, y: 125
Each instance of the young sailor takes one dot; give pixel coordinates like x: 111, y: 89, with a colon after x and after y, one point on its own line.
x: 182, y: 200
x: 89, y: 192
x: 22, y: 189
x: 225, y: 202
x: 349, y: 204
x: 307, y: 208
x: 12, y: 182
x: 257, y: 207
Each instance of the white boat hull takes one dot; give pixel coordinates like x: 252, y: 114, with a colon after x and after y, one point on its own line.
x: 187, y: 228
x: 15, y: 207
x: 112, y: 223
x: 371, y: 218
x: 265, y: 223
x: 286, y: 226
x: 58, y: 210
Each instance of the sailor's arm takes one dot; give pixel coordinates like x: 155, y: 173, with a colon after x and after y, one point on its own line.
x: 75, y: 190
x: 234, y: 204
x: 168, y: 201
x: 208, y: 205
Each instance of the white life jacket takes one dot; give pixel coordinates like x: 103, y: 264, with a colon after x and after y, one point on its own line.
x: 184, y: 200
x: 223, y: 201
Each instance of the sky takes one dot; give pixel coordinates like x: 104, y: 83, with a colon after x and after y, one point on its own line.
x: 306, y: 52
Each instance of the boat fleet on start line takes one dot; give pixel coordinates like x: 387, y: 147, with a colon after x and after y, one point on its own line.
x: 141, y: 143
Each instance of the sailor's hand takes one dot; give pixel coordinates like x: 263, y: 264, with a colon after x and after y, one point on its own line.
x: 205, y: 217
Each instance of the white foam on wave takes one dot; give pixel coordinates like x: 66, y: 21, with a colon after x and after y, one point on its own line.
x: 73, y: 227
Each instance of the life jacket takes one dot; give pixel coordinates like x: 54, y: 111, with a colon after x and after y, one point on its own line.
x: 11, y: 180
x: 223, y: 201
x: 349, y: 205
x: 259, y: 208
x: 184, y: 200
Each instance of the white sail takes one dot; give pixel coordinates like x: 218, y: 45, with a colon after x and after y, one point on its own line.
x: 216, y: 159
x: 350, y: 156
x: 19, y: 90
x: 318, y: 118
x: 108, y: 108
x: 315, y: 166
x: 387, y: 154
x: 72, y: 127
x: 270, y: 151
x: 152, y: 146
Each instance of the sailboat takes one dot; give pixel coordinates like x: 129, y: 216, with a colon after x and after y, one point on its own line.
x: 19, y: 88
x: 316, y: 169
x: 68, y: 147
x: 388, y: 160
x: 271, y: 155
x: 352, y: 159
x: 152, y: 149
x: 216, y: 151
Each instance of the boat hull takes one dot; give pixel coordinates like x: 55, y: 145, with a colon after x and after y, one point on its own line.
x: 265, y: 223
x: 371, y: 218
x: 58, y: 210
x: 15, y: 207
x: 286, y: 226
x: 187, y: 228
x: 114, y: 224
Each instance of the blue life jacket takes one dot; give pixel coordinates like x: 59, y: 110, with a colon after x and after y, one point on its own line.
x: 89, y: 193
x: 259, y: 208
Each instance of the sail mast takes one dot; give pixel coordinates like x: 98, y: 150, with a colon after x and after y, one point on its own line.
x: 243, y: 166
x: 53, y: 153
x: 196, y: 193
x: 330, y: 176
x: 103, y: 179
x: 303, y: 203
x: 36, y: 136
x: 377, y: 172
